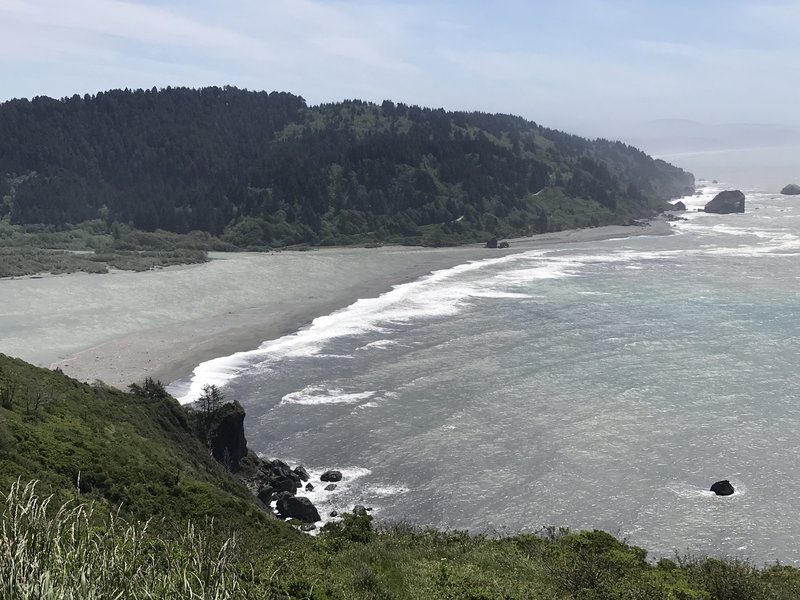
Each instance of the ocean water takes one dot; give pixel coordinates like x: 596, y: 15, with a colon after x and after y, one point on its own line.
x: 601, y: 385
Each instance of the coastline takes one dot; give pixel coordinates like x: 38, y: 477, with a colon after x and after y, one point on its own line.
x: 171, y: 351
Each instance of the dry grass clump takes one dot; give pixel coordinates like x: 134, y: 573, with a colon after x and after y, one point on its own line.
x: 49, y: 553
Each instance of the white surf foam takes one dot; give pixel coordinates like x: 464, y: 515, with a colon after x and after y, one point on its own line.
x: 442, y: 293
x: 377, y: 345
x: 314, y: 395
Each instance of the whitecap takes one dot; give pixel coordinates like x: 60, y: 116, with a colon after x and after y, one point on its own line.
x: 314, y: 395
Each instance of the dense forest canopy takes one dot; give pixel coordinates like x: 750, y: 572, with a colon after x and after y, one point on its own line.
x: 265, y: 169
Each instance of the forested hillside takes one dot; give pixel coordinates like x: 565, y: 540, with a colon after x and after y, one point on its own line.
x: 265, y: 169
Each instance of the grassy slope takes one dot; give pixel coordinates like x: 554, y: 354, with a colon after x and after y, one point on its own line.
x: 141, y: 454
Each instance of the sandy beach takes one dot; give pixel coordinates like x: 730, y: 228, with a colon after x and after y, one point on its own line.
x: 163, y: 324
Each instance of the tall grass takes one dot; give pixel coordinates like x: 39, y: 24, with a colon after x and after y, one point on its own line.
x: 61, y: 553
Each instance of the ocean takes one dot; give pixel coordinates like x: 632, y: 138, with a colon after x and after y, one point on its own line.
x: 600, y: 385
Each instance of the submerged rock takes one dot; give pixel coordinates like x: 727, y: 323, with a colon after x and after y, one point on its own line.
x: 331, y: 476
x: 330, y: 487
x: 722, y: 488
x: 729, y: 201
x: 791, y: 190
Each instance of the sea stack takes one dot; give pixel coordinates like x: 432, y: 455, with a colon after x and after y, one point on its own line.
x: 729, y: 201
x: 722, y: 488
x: 791, y: 190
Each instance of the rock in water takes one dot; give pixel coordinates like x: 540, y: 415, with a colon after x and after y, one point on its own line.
x: 297, y: 507
x: 791, y: 190
x: 722, y: 488
x: 331, y: 476
x: 679, y: 205
x: 729, y: 201
x: 301, y: 472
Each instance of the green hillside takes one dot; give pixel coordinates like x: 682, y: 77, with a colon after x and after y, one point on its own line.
x: 118, y: 459
x: 266, y: 170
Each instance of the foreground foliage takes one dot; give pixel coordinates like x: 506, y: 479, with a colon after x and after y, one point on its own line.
x: 129, y: 505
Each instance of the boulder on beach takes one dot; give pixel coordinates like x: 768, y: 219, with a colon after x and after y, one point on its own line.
x: 679, y: 206
x: 727, y: 202
x: 297, y: 507
x: 503, y: 245
x: 331, y: 476
x: 359, y: 509
x: 722, y: 488
x: 791, y: 190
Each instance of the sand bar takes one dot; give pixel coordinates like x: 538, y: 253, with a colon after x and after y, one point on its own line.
x: 124, y: 327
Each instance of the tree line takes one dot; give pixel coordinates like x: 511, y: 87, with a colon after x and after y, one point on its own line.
x: 265, y: 169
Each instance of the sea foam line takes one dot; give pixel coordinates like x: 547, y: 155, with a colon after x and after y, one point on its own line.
x: 441, y: 293
x: 437, y: 294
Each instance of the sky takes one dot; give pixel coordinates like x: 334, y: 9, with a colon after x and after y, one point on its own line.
x: 593, y: 67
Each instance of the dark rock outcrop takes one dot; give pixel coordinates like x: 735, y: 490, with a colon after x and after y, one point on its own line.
x: 679, y: 206
x: 503, y: 245
x: 284, y: 484
x: 358, y: 509
x: 727, y: 202
x: 309, y: 487
x: 791, y: 190
x: 301, y: 472
x: 492, y: 243
x: 331, y: 476
x: 267, y: 494
x: 722, y: 488
x: 226, y: 435
x: 297, y: 507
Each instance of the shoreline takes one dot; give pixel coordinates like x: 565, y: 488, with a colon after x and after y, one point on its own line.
x: 172, y: 351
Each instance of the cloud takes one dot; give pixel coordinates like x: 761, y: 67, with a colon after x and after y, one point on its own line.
x: 666, y: 49
x: 116, y: 19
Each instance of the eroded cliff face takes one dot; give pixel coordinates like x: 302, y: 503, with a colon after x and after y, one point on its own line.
x: 225, y: 435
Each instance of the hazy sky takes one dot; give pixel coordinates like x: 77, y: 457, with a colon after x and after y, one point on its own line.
x: 588, y: 66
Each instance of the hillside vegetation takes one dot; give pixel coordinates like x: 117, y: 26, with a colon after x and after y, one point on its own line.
x: 111, y: 461
x: 266, y: 170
